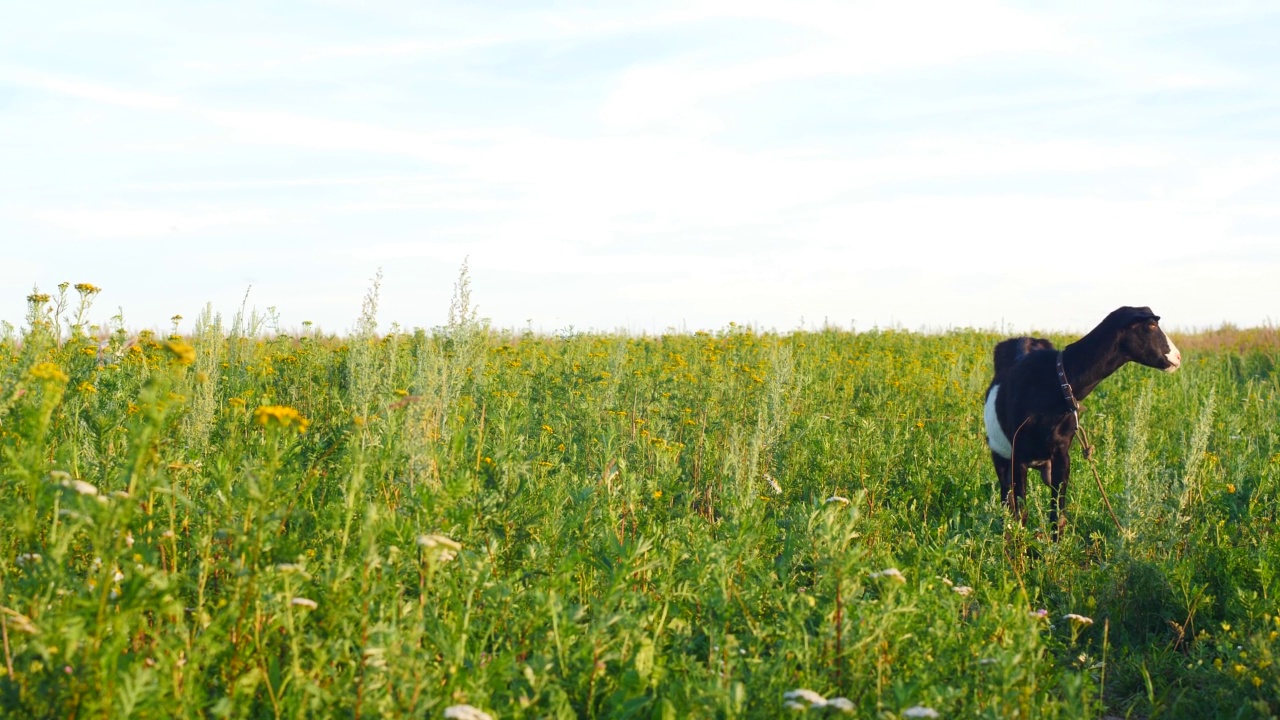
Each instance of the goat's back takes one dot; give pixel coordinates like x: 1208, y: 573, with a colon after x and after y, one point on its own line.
x: 1009, y: 352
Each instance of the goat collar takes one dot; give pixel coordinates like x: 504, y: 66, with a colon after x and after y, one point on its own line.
x: 1066, y: 386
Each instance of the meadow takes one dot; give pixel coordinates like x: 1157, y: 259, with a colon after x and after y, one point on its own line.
x: 226, y: 521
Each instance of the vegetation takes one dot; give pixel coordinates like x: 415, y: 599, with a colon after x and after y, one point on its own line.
x: 222, y: 523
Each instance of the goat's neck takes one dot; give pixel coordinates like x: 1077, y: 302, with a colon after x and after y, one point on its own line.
x: 1089, y: 360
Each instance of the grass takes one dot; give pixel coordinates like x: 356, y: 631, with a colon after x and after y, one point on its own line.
x: 224, y: 523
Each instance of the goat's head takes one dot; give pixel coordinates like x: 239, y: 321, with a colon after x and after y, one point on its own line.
x: 1142, y: 340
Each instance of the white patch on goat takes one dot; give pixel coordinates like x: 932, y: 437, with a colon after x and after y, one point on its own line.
x: 996, y: 439
x: 1173, y: 355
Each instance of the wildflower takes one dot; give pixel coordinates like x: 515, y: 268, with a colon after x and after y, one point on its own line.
x: 48, y: 372
x: 842, y: 704
x: 919, y: 711
x: 304, y: 602
x: 38, y: 298
x: 466, y: 712
x: 962, y: 590
x: 838, y: 499
x: 1040, y: 614
x: 809, y: 696
x: 892, y: 573
x: 79, y: 486
x: 1231, y: 488
x: 86, y: 388
x: 773, y: 484
x: 657, y: 494
x: 183, y: 354
x: 443, y: 547
x: 1078, y: 620
x: 128, y: 539
x: 87, y: 289
x: 280, y: 416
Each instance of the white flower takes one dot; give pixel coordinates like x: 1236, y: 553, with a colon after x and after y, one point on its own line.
x: 79, y: 486
x: 809, y: 696
x: 773, y: 484
x: 466, y: 712
x: 795, y: 706
x: 919, y: 711
x: 844, y: 705
x: 1078, y: 619
x: 445, y: 548
x: 304, y: 602
x: 962, y: 590
x: 430, y: 541
x: 892, y: 573
x: 128, y: 539
x: 838, y: 499
x: 25, y: 558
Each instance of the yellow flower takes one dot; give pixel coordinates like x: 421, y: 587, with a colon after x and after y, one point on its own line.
x: 236, y: 402
x: 183, y: 353
x: 280, y: 416
x: 48, y: 372
x: 86, y: 388
x: 1231, y: 488
x: 87, y: 289
x: 657, y: 494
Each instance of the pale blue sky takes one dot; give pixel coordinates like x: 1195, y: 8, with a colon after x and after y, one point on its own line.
x: 647, y: 165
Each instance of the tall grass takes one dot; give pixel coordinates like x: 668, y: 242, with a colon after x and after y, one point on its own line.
x: 236, y: 524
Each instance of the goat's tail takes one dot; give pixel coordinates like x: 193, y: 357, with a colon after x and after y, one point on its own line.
x: 1012, y: 350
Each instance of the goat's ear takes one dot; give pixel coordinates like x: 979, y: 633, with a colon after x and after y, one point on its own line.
x: 1143, y: 314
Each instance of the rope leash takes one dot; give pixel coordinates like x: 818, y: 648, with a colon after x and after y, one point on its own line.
x: 1088, y: 455
x: 1085, y: 445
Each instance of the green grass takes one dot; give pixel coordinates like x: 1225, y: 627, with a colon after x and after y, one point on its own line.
x: 623, y: 552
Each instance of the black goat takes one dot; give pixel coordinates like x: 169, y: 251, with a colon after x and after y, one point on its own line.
x: 1032, y: 403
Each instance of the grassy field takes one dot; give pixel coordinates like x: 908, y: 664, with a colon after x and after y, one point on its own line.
x: 229, y: 523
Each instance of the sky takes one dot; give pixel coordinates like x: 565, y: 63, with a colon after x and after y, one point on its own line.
x: 646, y: 166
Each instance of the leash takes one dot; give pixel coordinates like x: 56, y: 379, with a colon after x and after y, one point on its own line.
x: 1085, y: 446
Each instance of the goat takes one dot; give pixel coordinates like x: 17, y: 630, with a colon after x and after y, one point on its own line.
x: 1032, y: 402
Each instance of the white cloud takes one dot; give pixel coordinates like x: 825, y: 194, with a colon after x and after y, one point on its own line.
x: 86, y: 90
x: 841, y: 39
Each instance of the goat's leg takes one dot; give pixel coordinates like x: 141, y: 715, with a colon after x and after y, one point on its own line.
x: 1017, y: 497
x: 1061, y: 464
x: 1004, y: 475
